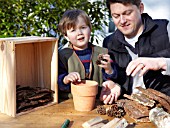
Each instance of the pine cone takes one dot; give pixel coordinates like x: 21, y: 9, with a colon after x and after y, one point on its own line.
x: 98, y: 62
x: 100, y: 57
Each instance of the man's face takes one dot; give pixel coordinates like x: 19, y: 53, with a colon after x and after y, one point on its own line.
x: 127, y: 18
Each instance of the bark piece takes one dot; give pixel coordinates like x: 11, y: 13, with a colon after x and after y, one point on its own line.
x: 142, y: 120
x: 160, y: 94
x: 43, y: 90
x: 141, y: 98
x: 152, y: 96
x: 39, y: 96
x: 31, y: 97
x: 140, y: 107
x: 136, y: 111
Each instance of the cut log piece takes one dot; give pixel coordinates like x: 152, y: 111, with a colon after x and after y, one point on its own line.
x: 160, y: 118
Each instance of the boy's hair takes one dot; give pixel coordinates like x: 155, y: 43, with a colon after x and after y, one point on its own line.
x: 125, y: 2
x: 69, y: 20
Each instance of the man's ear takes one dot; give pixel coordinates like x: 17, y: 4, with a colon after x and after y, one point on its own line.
x: 141, y: 7
x: 67, y: 38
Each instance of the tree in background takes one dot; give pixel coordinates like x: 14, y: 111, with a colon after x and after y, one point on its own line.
x: 41, y: 17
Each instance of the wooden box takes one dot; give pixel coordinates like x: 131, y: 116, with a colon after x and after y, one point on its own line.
x: 26, y: 61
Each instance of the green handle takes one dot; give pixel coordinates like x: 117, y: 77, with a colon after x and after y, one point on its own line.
x: 65, y: 124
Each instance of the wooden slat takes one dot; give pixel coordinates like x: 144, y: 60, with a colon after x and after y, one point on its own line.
x: 7, y: 79
x: 28, y: 39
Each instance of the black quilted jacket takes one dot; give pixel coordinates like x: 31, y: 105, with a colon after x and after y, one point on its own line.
x: 153, y: 42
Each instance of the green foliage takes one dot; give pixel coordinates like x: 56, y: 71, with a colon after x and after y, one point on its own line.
x: 41, y: 17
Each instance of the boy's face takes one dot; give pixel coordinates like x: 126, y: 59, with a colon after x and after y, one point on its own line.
x: 80, y: 35
x: 127, y: 18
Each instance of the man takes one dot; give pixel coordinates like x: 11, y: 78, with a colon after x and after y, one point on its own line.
x: 140, y: 46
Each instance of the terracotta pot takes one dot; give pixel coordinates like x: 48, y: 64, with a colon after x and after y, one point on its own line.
x: 84, y: 95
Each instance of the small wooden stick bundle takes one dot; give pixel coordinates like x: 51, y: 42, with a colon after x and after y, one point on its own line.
x: 100, y: 58
x: 112, y: 111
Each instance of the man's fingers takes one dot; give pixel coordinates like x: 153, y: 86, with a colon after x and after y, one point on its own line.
x: 106, y: 101
x: 130, y: 68
x: 137, y: 69
x: 112, y: 99
x: 134, y: 68
x: 143, y: 71
x: 116, y: 96
x: 103, y: 97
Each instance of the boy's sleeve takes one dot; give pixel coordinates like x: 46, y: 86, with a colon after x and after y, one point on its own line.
x: 62, y: 72
x: 112, y: 76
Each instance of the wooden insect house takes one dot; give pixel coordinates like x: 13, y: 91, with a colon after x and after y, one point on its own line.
x: 28, y: 74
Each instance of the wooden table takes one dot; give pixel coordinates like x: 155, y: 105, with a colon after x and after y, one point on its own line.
x: 53, y: 117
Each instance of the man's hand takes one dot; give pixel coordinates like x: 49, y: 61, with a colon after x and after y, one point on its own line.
x: 110, y: 92
x: 143, y: 64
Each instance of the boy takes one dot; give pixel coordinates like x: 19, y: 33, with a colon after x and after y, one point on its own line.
x: 78, y: 61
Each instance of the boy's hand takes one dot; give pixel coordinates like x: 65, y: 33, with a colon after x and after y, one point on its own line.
x: 105, y: 63
x: 110, y: 92
x: 72, y: 77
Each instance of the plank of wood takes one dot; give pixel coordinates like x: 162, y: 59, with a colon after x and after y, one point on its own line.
x: 111, y: 123
x: 116, y: 123
x: 99, y: 125
x: 121, y: 124
x: 92, y: 122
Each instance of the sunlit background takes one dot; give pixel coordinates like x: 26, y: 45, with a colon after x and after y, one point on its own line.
x: 158, y: 9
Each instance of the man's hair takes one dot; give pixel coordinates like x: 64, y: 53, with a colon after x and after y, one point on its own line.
x: 69, y: 20
x: 125, y: 2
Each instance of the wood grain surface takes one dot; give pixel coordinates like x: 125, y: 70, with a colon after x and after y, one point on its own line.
x: 54, y: 116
